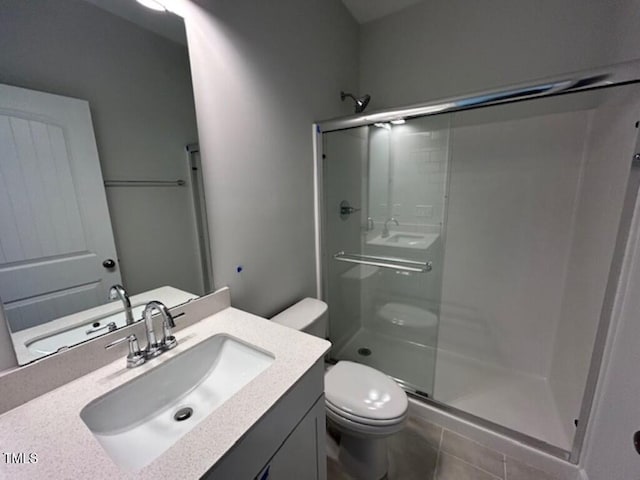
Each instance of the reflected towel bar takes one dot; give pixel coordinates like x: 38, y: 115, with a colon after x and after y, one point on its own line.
x: 384, y: 262
x: 144, y: 183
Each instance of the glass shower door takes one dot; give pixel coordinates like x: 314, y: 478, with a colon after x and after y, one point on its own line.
x: 385, y: 209
x: 533, y: 200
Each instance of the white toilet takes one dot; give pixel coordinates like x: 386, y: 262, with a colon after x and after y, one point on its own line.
x: 364, y: 404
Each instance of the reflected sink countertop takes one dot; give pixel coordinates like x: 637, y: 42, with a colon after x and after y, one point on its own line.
x: 400, y: 239
x: 112, y: 311
x: 51, y: 427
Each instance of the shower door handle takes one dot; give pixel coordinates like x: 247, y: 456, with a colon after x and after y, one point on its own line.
x: 346, y: 209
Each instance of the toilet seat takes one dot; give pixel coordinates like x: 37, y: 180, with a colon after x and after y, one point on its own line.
x: 363, y: 430
x: 363, y: 420
x: 363, y: 395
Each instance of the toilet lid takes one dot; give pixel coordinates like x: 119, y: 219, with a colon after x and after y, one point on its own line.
x: 364, y: 392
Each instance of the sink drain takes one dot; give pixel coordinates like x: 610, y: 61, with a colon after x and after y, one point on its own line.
x: 183, y: 414
x: 364, y: 351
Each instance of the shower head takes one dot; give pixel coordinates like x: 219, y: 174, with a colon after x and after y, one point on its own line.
x: 361, y: 103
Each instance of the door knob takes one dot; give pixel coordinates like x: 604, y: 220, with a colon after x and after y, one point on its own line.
x: 109, y: 263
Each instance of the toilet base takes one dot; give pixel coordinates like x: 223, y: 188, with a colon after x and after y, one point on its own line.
x: 363, y: 458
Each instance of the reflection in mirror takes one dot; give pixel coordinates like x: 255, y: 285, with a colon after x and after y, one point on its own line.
x: 407, y: 181
x: 99, y: 170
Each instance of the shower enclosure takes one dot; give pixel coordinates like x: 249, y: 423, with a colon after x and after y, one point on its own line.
x: 470, y: 248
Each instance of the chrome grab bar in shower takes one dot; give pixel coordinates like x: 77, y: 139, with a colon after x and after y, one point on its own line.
x: 384, y: 262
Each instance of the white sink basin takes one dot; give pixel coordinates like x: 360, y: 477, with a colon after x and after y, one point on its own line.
x: 136, y: 422
x: 406, y: 238
x: 420, y: 241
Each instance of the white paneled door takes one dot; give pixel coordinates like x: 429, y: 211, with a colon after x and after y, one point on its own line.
x: 55, y: 230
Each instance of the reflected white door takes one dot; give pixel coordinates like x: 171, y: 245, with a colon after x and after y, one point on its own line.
x: 55, y: 230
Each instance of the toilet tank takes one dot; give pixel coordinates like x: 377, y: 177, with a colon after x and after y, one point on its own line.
x: 308, y: 315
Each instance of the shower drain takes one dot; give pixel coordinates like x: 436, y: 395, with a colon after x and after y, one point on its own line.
x: 183, y: 414
x: 364, y: 351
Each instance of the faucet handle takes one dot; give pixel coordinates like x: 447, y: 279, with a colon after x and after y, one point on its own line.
x: 135, y: 356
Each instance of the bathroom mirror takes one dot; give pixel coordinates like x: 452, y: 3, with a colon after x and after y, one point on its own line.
x: 100, y: 180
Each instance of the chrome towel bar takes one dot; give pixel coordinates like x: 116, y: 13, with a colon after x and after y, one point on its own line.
x: 384, y: 262
x: 144, y: 183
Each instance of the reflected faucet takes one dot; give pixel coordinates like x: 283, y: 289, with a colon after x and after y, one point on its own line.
x: 118, y: 292
x: 385, y: 230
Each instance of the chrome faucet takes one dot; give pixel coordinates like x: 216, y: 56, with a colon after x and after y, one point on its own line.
x: 154, y: 348
x: 118, y: 292
x: 385, y: 230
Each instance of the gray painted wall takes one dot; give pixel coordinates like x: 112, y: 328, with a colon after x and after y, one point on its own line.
x: 437, y: 49
x: 262, y: 73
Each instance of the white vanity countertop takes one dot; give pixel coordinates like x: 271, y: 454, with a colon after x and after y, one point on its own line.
x: 51, y: 427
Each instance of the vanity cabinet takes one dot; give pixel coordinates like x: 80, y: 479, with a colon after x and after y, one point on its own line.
x: 302, y: 455
x: 287, y: 442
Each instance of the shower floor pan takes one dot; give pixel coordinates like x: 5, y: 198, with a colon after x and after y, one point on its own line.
x: 509, y: 398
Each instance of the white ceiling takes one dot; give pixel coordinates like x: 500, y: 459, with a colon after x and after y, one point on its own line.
x: 366, y: 10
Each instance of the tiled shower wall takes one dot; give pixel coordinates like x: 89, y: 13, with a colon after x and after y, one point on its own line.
x: 420, y: 154
x: 408, y: 170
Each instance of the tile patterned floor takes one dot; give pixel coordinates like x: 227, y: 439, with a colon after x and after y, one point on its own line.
x: 425, y: 451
